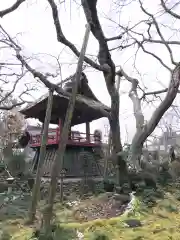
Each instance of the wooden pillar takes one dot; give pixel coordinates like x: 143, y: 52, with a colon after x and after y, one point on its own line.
x: 59, y: 130
x: 59, y: 158
x: 88, y: 131
x: 39, y: 173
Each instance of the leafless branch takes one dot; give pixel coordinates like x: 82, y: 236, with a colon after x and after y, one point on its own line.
x: 8, y: 64
x: 47, y: 83
x: 122, y: 47
x: 161, y: 42
x: 159, y: 32
x: 11, y: 106
x: 10, y: 78
x: 150, y: 39
x: 90, y: 11
x: 114, y: 38
x: 175, y: 15
x: 164, y: 105
x: 8, y: 100
x: 156, y: 92
x: 42, y: 77
x: 12, y: 8
x: 61, y: 38
x: 153, y: 55
x: 135, y: 100
x: 6, y: 96
x: 140, y: 44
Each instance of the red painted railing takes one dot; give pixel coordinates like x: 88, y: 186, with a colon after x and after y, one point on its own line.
x: 75, y: 138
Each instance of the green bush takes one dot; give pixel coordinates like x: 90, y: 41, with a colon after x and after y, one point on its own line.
x: 5, y: 235
x: 56, y: 233
x: 99, y: 235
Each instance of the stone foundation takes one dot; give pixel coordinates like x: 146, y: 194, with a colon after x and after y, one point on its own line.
x: 78, y: 186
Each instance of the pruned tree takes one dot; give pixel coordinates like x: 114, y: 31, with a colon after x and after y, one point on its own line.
x: 152, y: 34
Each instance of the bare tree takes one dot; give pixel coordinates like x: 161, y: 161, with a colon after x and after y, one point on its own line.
x: 12, y: 75
x: 9, y: 83
x: 129, y: 36
x: 152, y: 34
x: 106, y: 66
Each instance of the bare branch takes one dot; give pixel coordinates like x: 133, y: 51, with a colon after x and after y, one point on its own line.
x: 11, y: 78
x: 153, y: 55
x: 114, y: 38
x: 47, y: 83
x: 142, y: 133
x: 6, y: 96
x: 104, y: 56
x: 61, y: 38
x: 140, y: 45
x: 164, y: 105
x: 161, y: 42
x: 8, y: 64
x: 175, y: 15
x: 10, y: 107
x: 12, y: 8
x: 150, y: 39
x: 135, y: 100
x: 156, y: 92
x: 159, y: 32
x: 8, y: 101
x: 122, y: 47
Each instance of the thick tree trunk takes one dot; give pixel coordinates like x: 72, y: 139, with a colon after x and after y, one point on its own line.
x: 144, y: 130
x: 58, y: 162
x: 106, y: 62
x: 121, y: 168
x: 135, y: 152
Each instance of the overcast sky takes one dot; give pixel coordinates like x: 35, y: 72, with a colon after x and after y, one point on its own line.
x: 34, y: 25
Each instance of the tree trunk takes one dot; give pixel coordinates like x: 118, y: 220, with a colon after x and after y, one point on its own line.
x: 58, y: 162
x: 144, y: 130
x: 106, y: 62
x: 121, y: 168
x: 135, y: 153
x: 110, y: 145
x: 36, y: 187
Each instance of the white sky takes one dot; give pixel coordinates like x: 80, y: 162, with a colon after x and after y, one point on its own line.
x: 34, y: 25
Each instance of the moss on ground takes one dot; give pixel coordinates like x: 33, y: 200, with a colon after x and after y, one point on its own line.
x: 159, y: 221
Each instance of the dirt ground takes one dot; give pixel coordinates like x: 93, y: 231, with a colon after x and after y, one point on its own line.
x: 101, y: 207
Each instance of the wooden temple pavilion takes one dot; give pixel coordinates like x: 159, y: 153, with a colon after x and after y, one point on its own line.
x: 82, y: 148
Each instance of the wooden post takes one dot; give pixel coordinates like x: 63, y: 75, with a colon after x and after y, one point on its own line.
x: 39, y: 173
x: 117, y: 165
x: 62, y: 175
x: 58, y: 161
x: 88, y: 131
x: 59, y: 130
